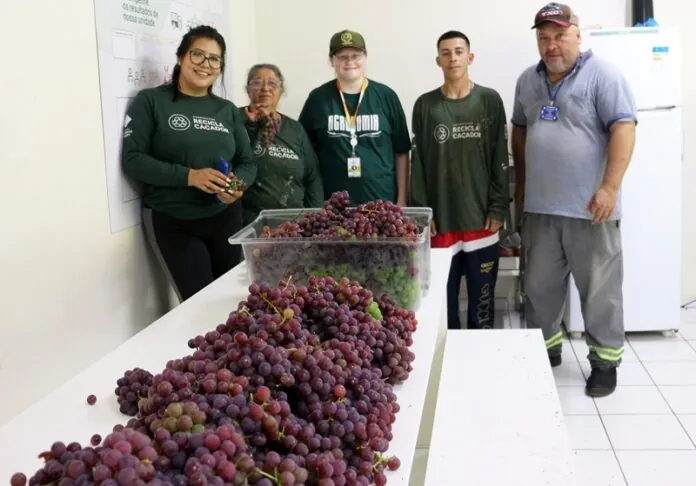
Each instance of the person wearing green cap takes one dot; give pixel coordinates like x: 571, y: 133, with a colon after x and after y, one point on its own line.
x: 358, y: 128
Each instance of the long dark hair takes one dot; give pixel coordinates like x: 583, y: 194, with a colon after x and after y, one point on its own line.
x: 199, y: 32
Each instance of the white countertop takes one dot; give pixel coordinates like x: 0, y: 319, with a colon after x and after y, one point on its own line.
x: 64, y: 414
x: 498, y: 419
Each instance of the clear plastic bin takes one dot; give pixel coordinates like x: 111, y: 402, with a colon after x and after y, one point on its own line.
x: 399, y: 268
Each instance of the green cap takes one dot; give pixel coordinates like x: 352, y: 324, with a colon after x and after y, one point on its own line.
x: 344, y: 39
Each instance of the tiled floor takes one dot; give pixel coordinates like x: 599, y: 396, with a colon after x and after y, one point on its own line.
x: 645, y: 433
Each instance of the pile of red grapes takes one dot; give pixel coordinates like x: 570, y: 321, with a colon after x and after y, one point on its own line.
x: 381, y: 247
x: 296, y: 388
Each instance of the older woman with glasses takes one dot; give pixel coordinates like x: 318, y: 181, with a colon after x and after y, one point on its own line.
x: 288, y: 173
x: 358, y: 128
x: 186, y: 146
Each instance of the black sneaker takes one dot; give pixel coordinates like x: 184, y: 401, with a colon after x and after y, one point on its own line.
x: 601, y: 382
x: 555, y: 360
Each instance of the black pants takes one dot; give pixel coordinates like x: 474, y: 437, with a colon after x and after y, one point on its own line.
x: 480, y: 267
x: 194, y: 252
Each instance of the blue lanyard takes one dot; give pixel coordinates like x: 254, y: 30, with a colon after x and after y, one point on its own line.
x: 552, y: 95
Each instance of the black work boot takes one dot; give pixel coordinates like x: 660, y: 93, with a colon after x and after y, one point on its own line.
x: 555, y: 360
x: 602, y: 382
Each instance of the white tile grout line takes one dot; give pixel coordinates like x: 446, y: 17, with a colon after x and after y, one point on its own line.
x: 594, y: 402
x: 691, y: 343
x: 665, y: 399
x: 691, y: 439
x: 566, y: 334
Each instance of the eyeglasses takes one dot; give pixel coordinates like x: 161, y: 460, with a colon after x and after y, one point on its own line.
x: 198, y: 57
x: 259, y: 83
x: 350, y: 57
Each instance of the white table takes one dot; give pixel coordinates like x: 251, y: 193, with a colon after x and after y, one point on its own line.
x: 498, y: 419
x: 64, y: 414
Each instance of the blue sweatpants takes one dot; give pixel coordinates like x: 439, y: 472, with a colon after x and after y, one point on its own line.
x: 480, y: 267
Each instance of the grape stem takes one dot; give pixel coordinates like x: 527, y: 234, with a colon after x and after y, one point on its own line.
x: 270, y: 304
x: 272, y: 478
x: 380, y: 459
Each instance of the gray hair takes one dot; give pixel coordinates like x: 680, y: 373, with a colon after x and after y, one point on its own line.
x: 258, y: 67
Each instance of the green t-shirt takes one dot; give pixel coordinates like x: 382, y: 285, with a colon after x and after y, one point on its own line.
x: 460, y: 159
x: 288, y: 172
x: 164, y: 138
x: 382, y: 133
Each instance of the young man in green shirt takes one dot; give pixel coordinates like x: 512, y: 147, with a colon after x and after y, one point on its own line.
x: 460, y: 170
x: 358, y: 128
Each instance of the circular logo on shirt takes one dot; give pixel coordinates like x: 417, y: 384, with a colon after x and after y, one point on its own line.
x: 179, y: 122
x: 441, y: 133
x: 259, y: 150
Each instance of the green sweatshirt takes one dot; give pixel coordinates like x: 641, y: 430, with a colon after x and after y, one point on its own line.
x: 460, y: 159
x: 288, y: 172
x: 163, y: 139
x: 382, y: 133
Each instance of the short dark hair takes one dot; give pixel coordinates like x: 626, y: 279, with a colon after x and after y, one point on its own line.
x: 453, y: 34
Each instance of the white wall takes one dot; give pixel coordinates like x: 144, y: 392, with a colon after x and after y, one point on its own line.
x: 69, y: 290
x: 401, y: 38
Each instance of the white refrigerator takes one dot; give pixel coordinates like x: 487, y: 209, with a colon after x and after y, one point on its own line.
x: 651, y: 226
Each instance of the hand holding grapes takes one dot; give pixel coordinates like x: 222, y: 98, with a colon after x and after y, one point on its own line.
x: 232, y: 191
x: 267, y: 121
x: 229, y: 196
x: 208, y: 180
x: 256, y: 112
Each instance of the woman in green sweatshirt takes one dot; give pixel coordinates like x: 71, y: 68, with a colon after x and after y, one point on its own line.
x: 185, y: 145
x: 288, y: 171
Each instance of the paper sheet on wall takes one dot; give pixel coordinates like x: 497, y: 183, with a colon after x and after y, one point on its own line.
x: 137, y: 41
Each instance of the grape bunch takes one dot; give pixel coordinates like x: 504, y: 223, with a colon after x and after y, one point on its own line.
x: 295, y: 388
x: 131, y: 388
x: 235, y: 184
x: 382, y: 247
x: 269, y: 128
x: 217, y: 456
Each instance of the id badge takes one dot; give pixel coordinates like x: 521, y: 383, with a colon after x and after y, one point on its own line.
x: 549, y: 113
x: 354, y: 167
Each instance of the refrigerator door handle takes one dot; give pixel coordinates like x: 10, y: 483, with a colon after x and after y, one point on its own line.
x: 658, y: 108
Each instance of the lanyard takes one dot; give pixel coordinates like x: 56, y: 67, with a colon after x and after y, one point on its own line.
x: 552, y: 95
x: 351, y: 120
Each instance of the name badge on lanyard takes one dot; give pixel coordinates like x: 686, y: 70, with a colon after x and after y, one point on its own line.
x: 550, y: 112
x: 353, y: 162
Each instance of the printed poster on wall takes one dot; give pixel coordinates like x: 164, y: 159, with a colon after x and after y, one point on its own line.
x: 137, y: 42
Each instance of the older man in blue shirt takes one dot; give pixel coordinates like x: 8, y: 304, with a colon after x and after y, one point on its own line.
x: 574, y: 120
